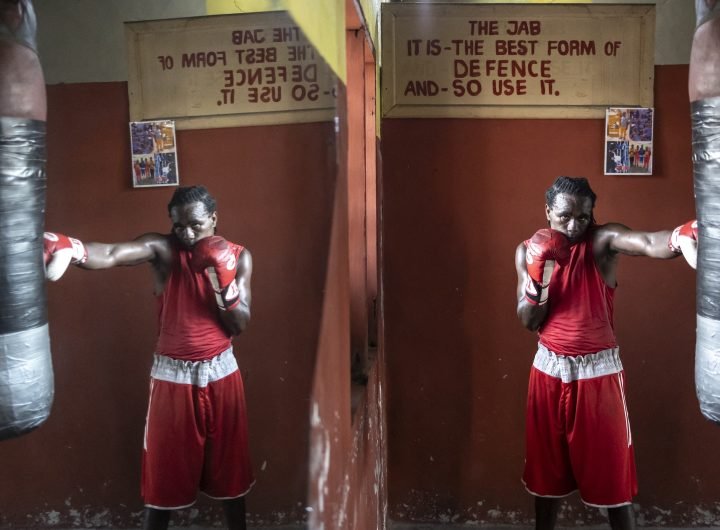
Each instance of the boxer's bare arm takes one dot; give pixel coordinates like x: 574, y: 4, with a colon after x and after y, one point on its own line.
x: 615, y: 238
x: 237, y: 318
x: 531, y: 315
x: 151, y: 247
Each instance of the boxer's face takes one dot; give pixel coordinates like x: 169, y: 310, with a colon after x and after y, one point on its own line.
x: 570, y: 215
x: 192, y: 222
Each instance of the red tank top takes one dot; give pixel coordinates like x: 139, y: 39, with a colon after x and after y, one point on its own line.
x: 189, y: 324
x: 580, y: 317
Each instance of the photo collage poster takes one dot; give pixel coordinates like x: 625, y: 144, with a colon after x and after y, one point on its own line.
x: 629, y: 141
x: 154, y: 153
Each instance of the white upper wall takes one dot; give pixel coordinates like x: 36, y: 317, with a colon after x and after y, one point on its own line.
x: 83, y: 41
x: 674, y: 28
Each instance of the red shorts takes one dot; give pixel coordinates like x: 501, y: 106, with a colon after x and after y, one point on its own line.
x: 195, y: 433
x: 577, y: 429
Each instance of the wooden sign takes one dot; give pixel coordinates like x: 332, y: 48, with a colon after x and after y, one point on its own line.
x: 516, y: 61
x: 222, y: 71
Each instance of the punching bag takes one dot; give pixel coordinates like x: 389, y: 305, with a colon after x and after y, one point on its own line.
x: 26, y: 377
x: 704, y: 88
x: 706, y: 171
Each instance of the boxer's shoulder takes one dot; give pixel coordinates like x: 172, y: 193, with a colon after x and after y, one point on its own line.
x: 239, y: 249
x: 161, y: 246
x: 605, y: 233
x: 244, y: 257
x: 602, y: 238
x: 155, y: 239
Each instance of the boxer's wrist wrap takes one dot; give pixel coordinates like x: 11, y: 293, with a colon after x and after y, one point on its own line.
x: 705, y: 12
x: 535, y: 293
x: 21, y: 29
x: 673, y: 243
x: 80, y: 254
x: 228, y: 297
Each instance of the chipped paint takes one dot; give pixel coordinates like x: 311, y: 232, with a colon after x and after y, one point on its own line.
x: 348, y: 461
x: 319, y: 466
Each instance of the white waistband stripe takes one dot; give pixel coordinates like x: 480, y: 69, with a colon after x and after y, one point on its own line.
x: 198, y: 373
x: 575, y: 368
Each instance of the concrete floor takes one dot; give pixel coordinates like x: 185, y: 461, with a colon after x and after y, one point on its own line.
x: 391, y: 526
x: 397, y: 526
x: 407, y: 526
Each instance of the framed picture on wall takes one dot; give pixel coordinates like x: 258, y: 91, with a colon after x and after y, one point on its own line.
x: 153, y: 159
x: 629, y: 140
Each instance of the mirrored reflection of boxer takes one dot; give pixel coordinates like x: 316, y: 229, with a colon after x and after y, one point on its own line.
x: 26, y: 378
x: 196, y: 425
x: 704, y: 92
x: 578, y: 433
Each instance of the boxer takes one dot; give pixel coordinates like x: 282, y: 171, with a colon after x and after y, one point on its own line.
x: 566, y: 285
x: 196, y: 424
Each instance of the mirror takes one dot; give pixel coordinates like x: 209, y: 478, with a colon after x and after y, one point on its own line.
x: 274, y: 183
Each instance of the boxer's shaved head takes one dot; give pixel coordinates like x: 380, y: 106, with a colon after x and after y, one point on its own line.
x: 190, y: 194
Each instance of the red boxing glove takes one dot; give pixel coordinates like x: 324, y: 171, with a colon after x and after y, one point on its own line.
x: 216, y: 256
x: 59, y: 251
x: 683, y: 240
x: 544, y: 248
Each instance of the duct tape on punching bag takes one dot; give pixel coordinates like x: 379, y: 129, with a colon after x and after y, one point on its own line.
x: 706, y: 171
x: 26, y: 376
